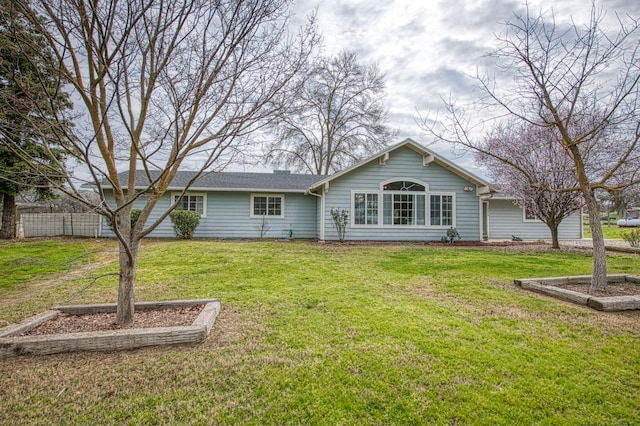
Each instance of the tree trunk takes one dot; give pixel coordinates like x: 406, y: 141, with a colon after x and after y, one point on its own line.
x: 9, y: 213
x: 555, y: 243
x: 126, y: 288
x: 599, y: 276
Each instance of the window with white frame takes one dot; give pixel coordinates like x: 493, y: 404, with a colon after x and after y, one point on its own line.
x: 403, y: 202
x: 267, y: 205
x: 365, y: 208
x: 191, y: 202
x: 441, y: 210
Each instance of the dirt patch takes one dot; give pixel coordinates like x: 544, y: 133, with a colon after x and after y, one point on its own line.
x: 67, y: 323
x: 613, y: 289
x: 503, y: 246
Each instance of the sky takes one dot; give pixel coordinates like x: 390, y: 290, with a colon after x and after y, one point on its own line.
x: 425, y: 47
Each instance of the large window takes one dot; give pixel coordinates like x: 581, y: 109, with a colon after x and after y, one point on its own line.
x: 267, y: 205
x: 191, y: 202
x: 365, y: 209
x: 404, y: 209
x: 403, y: 202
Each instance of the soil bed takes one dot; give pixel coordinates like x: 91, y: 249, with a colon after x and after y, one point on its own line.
x: 613, y: 289
x: 622, y: 291
x: 92, y: 327
x: 68, y: 323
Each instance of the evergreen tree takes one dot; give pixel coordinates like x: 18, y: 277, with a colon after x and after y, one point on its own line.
x: 30, y: 95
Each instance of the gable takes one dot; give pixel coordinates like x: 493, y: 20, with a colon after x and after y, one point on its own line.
x: 402, y: 164
x: 416, y: 159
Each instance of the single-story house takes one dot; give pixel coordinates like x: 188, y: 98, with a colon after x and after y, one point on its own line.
x: 405, y: 193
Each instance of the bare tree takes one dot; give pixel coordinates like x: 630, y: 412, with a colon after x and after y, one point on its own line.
x: 337, y: 117
x: 582, y: 83
x: 164, y: 84
x: 544, y: 171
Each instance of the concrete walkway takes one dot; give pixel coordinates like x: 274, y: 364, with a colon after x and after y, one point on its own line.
x: 586, y: 242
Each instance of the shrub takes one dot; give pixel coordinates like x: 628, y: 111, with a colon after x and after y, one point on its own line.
x: 632, y: 237
x: 263, y: 227
x: 452, y: 234
x: 340, y: 220
x: 184, y: 222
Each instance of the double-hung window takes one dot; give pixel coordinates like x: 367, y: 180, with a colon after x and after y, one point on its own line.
x: 191, y: 202
x: 365, y: 208
x: 441, y: 210
x: 267, y: 205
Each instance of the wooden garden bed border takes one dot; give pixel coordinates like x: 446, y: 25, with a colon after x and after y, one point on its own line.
x: 11, y: 344
x: 548, y: 286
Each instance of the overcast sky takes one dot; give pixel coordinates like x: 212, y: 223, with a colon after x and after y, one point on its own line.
x: 425, y: 46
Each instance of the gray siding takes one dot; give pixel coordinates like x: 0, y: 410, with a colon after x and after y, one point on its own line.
x: 228, y: 216
x: 506, y: 219
x: 403, y: 163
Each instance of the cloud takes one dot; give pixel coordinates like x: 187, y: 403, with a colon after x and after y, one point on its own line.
x: 428, y: 49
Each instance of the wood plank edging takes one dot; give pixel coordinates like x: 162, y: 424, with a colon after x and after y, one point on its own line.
x: 601, y: 303
x: 28, y: 323
x: 112, y: 340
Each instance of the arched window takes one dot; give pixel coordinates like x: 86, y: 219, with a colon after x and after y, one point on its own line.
x: 404, y: 185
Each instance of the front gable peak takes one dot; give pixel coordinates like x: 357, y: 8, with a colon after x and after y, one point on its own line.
x: 428, y: 157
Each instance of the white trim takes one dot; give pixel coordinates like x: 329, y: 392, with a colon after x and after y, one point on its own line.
x: 453, y: 209
x: 410, y: 179
x: 268, y: 216
x: 382, y: 160
x: 428, y: 159
x: 353, y: 209
x: 484, y: 218
x: 323, y: 206
x: 192, y: 194
x: 427, y: 208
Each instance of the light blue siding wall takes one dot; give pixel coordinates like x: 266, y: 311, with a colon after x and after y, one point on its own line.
x: 403, y: 163
x: 506, y: 219
x: 228, y: 216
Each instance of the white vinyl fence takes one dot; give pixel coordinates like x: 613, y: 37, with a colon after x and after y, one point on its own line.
x: 55, y: 224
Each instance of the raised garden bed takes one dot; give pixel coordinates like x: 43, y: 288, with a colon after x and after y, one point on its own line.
x: 556, y: 287
x: 14, y: 343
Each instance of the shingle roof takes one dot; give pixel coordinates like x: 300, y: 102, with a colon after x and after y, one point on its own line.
x: 236, y: 181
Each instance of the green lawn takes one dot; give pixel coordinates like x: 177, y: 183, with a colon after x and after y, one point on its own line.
x: 611, y: 232
x: 22, y: 261
x: 332, y: 334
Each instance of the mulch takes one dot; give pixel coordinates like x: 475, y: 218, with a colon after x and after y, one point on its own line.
x: 613, y: 289
x: 67, y: 323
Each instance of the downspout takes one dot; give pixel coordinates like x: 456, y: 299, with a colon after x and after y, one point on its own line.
x: 308, y: 192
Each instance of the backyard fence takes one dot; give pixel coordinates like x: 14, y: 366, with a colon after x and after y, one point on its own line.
x: 55, y: 224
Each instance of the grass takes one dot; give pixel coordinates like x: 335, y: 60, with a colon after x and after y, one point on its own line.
x: 313, y: 334
x: 611, y: 232
x: 23, y: 261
